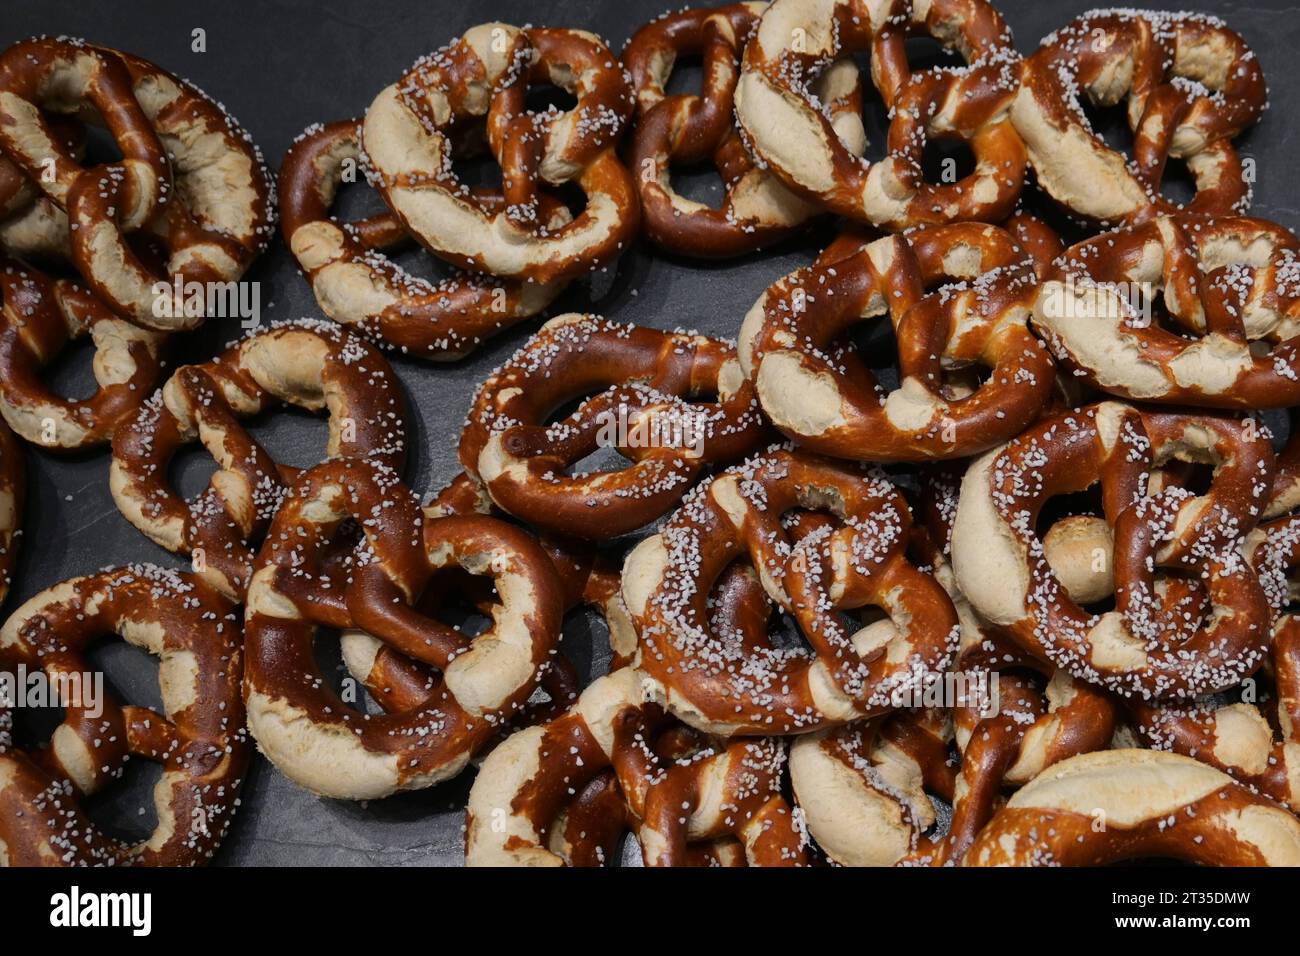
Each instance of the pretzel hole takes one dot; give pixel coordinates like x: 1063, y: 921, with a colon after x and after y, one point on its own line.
x: 1178, y: 185
x: 328, y: 654
x: 547, y: 97
x: 1109, y: 124
x: 687, y: 76
x: 925, y: 52
x: 71, y: 373
x: 946, y: 160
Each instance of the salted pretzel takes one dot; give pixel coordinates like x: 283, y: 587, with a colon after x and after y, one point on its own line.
x: 777, y: 106
x: 39, y: 318
x: 863, y: 788
x: 199, y: 738
x: 310, y: 364
x: 1227, y: 286
x: 486, y: 74
x: 672, y: 403
x: 1190, y: 85
x: 190, y: 176
x: 1119, y: 805
x: 688, y: 798
x: 724, y: 681
x: 679, y: 130
x: 299, y: 585
x: 13, y: 487
x: 957, y: 296
x: 357, y: 285
x: 586, y: 578
x: 1190, y: 616
x: 32, y: 225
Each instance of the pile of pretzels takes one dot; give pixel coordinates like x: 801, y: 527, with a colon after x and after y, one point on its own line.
x: 1021, y: 592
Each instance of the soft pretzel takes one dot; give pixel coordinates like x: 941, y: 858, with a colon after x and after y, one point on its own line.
x: 313, y: 736
x: 32, y: 225
x: 190, y: 175
x: 957, y: 296
x: 487, y: 73
x: 13, y: 487
x: 357, y: 285
x: 758, y: 209
x: 1126, y: 804
x: 40, y: 316
x: 1190, y: 85
x: 724, y: 676
x: 863, y: 788
x: 778, y: 107
x: 694, y: 791
x: 311, y: 364
x: 1227, y: 283
x: 673, y: 403
x: 199, y: 738
x: 1161, y: 640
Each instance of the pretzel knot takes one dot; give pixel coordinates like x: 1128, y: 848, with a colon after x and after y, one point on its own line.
x: 13, y: 487
x: 190, y: 176
x: 310, y: 364
x: 671, y: 403
x: 1190, y: 83
x: 1126, y: 804
x: 40, y: 317
x: 758, y: 209
x: 1228, y: 287
x: 726, y: 676
x: 778, y: 107
x: 359, y: 286
x: 688, y: 798
x: 1190, y: 617
x: 957, y: 296
x: 301, y: 583
x: 32, y: 225
x: 199, y: 738
x: 487, y: 73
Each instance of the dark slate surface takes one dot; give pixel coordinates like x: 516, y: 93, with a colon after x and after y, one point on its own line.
x: 279, y: 66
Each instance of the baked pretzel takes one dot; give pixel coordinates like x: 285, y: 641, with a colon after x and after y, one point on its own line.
x: 1161, y: 640
x: 357, y: 285
x: 1126, y: 804
x: 1227, y: 283
x: 777, y: 106
x: 13, y: 487
x: 33, y: 226
x: 724, y: 681
x: 672, y: 403
x: 40, y: 316
x: 864, y: 788
x: 190, y: 176
x: 199, y: 738
x: 957, y: 296
x: 487, y: 73
x: 679, y: 789
x: 758, y: 209
x: 329, y: 746
x: 1190, y: 85
x: 311, y: 364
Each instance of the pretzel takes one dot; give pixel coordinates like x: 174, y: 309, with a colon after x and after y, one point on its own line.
x: 487, y: 73
x: 1160, y: 641
x: 32, y: 226
x: 190, y: 175
x: 13, y: 487
x: 40, y: 317
x: 863, y: 788
x: 674, y: 403
x: 1190, y: 86
x: 781, y: 114
x: 358, y: 286
x: 820, y: 392
x: 327, y: 745
x: 757, y: 209
x: 585, y: 577
x: 699, y: 791
x: 1227, y: 283
x: 309, y: 363
x: 724, y: 682
x: 1126, y: 804
x: 199, y: 738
